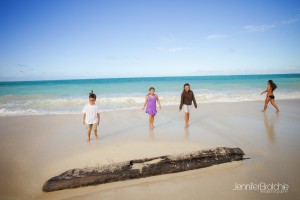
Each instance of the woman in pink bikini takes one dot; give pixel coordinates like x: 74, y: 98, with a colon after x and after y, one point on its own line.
x: 150, y: 101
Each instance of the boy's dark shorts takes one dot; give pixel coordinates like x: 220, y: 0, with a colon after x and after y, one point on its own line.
x: 91, y: 127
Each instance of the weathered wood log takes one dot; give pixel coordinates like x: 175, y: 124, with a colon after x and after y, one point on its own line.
x: 142, y: 168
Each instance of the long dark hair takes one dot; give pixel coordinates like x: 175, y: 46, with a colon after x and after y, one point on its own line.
x: 151, y: 88
x: 273, y: 85
x: 186, y: 85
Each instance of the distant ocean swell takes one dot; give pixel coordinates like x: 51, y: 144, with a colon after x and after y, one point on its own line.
x: 11, y: 105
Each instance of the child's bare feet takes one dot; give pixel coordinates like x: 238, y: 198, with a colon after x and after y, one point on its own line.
x: 277, y: 111
x: 186, y: 126
x: 263, y: 111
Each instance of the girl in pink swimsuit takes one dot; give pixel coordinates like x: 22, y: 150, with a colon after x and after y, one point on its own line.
x: 150, y: 101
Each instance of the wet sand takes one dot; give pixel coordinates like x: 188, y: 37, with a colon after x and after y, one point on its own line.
x: 36, y: 148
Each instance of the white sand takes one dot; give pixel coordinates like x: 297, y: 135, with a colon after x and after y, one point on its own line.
x: 36, y: 148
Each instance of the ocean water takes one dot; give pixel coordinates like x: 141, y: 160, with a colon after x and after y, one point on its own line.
x: 69, y: 96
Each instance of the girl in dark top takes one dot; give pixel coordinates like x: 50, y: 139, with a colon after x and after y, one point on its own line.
x: 187, y: 97
x: 270, y: 96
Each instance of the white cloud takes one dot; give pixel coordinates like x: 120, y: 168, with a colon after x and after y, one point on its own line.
x: 175, y: 49
x: 231, y: 50
x: 111, y: 57
x: 170, y: 50
x: 215, y: 36
x: 290, y: 21
x: 258, y: 28
x: 169, y: 39
x: 114, y: 58
x: 20, y: 65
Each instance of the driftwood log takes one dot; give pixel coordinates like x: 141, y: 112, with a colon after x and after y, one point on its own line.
x: 140, y: 168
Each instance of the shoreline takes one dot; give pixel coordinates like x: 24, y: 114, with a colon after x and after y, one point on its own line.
x: 35, y: 148
x: 163, y: 106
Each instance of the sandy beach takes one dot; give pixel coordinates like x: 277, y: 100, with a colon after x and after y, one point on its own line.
x: 36, y: 148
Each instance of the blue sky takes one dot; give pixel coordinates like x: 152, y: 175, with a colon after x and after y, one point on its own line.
x: 70, y: 39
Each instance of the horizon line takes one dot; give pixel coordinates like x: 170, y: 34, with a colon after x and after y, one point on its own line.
x: 37, y: 80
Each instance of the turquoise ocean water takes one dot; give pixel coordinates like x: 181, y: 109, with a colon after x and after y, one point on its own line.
x: 69, y: 96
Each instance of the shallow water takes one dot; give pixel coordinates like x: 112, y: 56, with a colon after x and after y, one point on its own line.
x: 69, y: 96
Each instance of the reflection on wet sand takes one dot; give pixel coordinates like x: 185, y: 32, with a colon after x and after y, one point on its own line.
x: 270, y: 122
x: 151, y: 134
x: 186, y: 133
